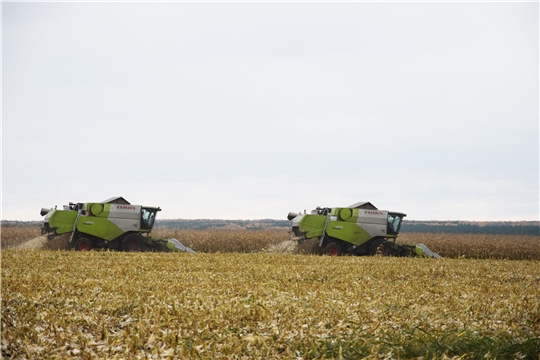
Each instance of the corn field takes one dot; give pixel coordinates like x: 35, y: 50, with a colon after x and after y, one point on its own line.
x: 115, y: 305
x: 249, y: 294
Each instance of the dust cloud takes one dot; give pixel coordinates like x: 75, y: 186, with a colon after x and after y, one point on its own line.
x: 41, y: 243
x: 284, y: 247
x: 293, y: 247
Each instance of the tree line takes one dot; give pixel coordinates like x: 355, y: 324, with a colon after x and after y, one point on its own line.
x: 471, y: 228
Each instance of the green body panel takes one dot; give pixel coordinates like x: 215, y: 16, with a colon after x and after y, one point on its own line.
x: 63, y: 220
x: 312, y: 225
x: 347, y: 231
x: 92, y: 207
x: 345, y: 214
x: 314, y: 233
x: 98, y: 227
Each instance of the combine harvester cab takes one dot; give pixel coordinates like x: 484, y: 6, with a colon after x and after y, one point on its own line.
x: 111, y: 224
x: 359, y: 229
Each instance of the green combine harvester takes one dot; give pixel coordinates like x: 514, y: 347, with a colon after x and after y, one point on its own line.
x: 110, y: 224
x: 358, y: 229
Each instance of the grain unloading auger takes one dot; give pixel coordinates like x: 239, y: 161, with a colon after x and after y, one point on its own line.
x: 110, y: 224
x: 359, y: 229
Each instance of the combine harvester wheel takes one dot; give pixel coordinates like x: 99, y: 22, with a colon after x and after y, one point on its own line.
x: 132, y: 242
x: 332, y: 249
x: 83, y: 244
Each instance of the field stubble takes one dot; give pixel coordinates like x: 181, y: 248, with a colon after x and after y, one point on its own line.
x: 245, y: 295
x: 259, y: 305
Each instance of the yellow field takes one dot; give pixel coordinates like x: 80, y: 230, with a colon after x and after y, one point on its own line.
x: 258, y: 305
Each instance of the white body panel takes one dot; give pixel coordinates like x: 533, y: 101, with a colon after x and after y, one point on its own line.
x: 125, y: 211
x: 126, y: 217
x: 374, y: 222
x: 374, y: 229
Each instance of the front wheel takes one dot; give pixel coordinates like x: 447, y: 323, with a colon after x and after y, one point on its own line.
x: 332, y: 249
x: 132, y: 242
x: 83, y: 244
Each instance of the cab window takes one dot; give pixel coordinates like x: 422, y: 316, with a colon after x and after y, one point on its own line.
x: 147, y: 218
x: 394, y: 222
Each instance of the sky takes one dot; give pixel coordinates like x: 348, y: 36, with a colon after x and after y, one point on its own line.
x: 249, y: 110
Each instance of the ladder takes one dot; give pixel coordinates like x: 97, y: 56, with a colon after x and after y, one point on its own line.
x: 75, y: 226
x: 324, y: 229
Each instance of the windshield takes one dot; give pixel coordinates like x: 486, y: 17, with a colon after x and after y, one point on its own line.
x: 394, y: 223
x: 147, y: 218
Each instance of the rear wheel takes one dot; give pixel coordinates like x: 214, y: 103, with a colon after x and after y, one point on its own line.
x: 132, y: 242
x: 332, y: 249
x: 83, y: 244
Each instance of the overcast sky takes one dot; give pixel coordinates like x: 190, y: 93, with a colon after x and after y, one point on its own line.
x: 252, y: 110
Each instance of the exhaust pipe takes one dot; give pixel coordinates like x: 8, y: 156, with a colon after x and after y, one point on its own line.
x: 291, y: 216
x: 44, y: 211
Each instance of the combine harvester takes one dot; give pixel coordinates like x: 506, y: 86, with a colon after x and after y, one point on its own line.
x: 110, y: 224
x: 359, y: 229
